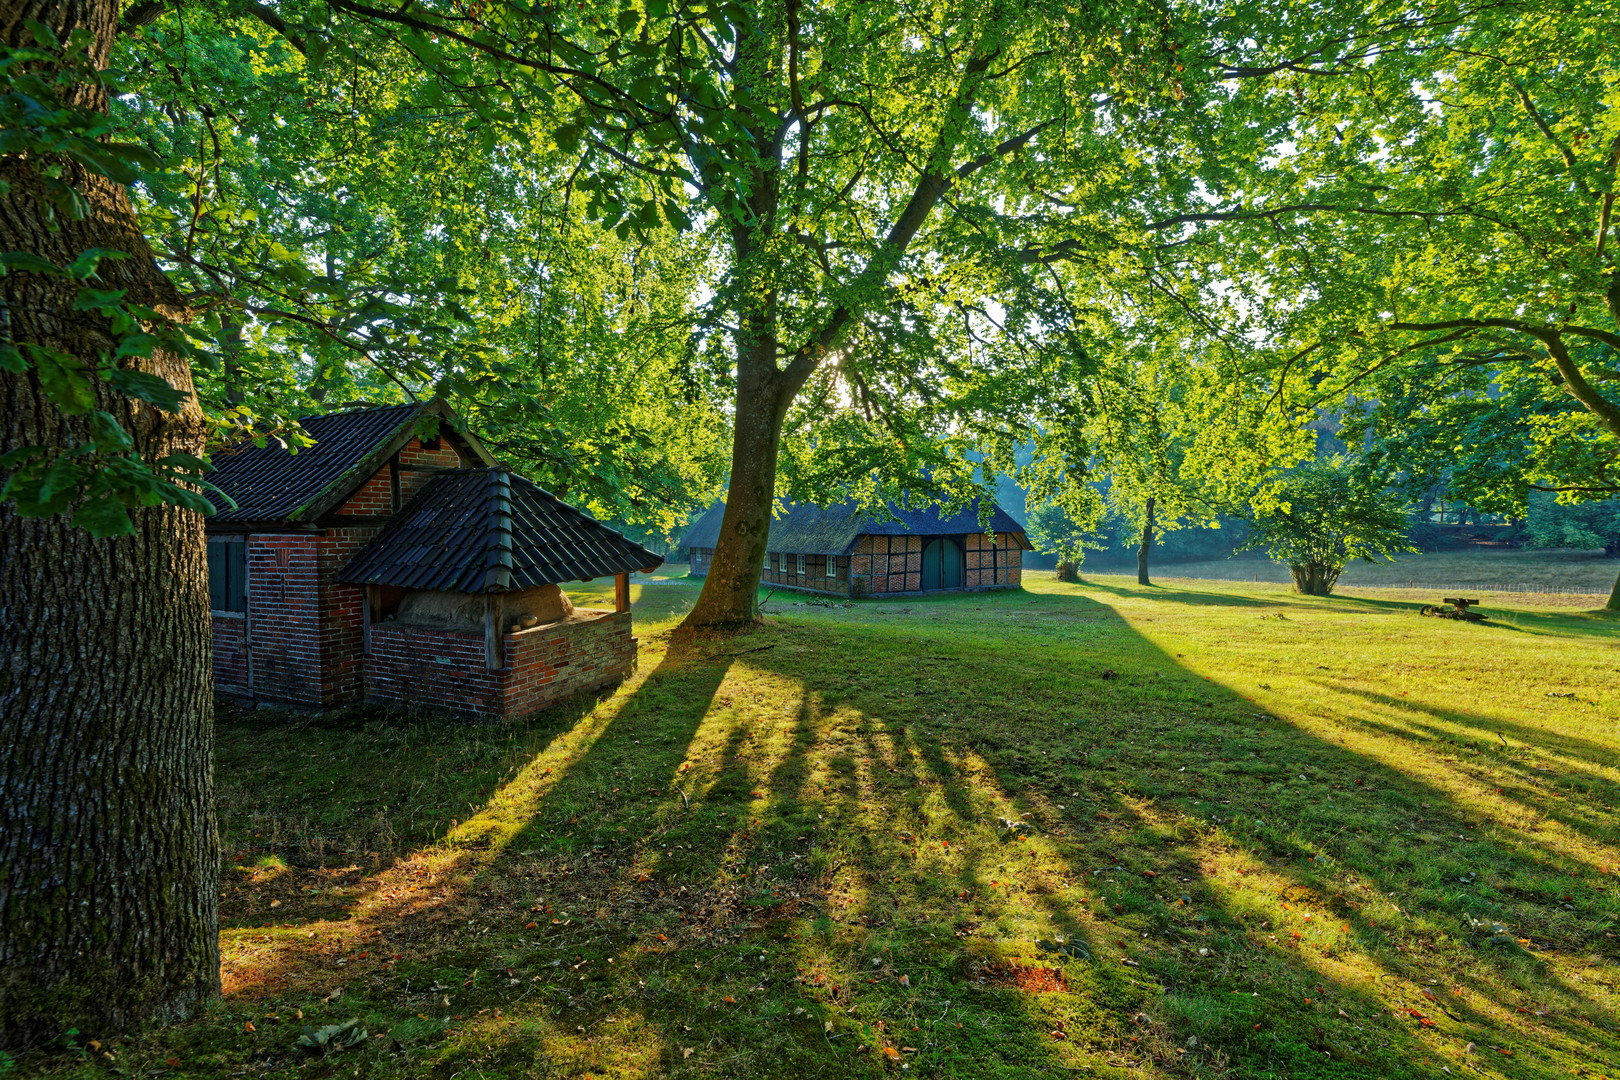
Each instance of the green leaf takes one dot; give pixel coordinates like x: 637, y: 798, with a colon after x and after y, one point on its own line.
x: 43, y: 34
x: 63, y: 380
x: 138, y: 344
x: 103, y: 517
x: 182, y: 462
x: 97, y: 299
x: 146, y: 387
x: 317, y: 49
x: 186, y: 498
x: 319, y: 1042
x: 84, y: 267
x: 13, y: 458
x: 28, y: 263
x: 109, y: 434
x: 62, y: 480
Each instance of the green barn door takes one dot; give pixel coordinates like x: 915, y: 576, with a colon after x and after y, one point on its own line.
x: 930, y: 570
x: 942, y: 565
x: 950, y: 565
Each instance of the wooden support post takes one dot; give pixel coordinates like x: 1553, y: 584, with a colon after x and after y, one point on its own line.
x: 368, y: 615
x: 494, y: 633
x: 621, y: 592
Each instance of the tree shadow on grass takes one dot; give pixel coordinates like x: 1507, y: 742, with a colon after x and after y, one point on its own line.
x: 312, y: 806
x: 845, y: 795
x: 1179, y: 593
x: 1565, y: 759
x: 1330, y: 879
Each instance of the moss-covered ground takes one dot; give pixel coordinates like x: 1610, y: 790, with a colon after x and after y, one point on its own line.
x: 1075, y: 830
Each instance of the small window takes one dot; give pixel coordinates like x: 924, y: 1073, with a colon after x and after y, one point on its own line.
x: 800, y: 567
x: 227, y: 575
x: 832, y: 566
x: 781, y: 563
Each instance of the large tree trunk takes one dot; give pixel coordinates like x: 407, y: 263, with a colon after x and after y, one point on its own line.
x: 1146, y: 546
x: 1614, y: 596
x: 731, y: 590
x: 1315, y: 579
x: 109, y: 858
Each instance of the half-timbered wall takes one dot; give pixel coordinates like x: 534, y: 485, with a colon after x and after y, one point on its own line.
x: 814, y: 578
x: 991, y: 564
x: 891, y: 564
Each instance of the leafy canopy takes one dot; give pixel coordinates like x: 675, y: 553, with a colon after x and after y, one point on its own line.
x: 1434, y: 251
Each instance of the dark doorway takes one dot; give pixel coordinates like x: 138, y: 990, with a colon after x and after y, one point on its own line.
x: 942, y: 565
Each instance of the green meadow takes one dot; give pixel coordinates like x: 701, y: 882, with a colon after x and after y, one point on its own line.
x: 1200, y: 830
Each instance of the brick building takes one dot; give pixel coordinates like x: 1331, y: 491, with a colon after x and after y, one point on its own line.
x: 837, y: 549
x: 394, y: 561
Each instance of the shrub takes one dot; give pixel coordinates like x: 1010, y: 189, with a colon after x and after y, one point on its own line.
x: 1587, y: 526
x: 1054, y: 532
x: 1324, y: 514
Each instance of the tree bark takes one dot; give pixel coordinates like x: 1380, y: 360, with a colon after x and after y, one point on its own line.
x: 1315, y: 579
x: 1614, y: 596
x: 731, y: 589
x: 1146, y: 546
x: 109, y: 857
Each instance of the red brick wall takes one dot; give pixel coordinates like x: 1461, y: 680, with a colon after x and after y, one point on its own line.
x: 306, y: 628
x: 341, y: 627
x: 417, y: 463
x: 284, y: 604
x: 443, y: 671
x: 375, y: 497
x: 230, y: 651
x: 701, y: 558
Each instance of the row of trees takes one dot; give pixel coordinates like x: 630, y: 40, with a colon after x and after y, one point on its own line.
x: 874, y: 249
x: 1317, y: 519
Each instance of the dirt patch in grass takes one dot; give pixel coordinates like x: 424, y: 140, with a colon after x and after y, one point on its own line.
x: 1030, y: 979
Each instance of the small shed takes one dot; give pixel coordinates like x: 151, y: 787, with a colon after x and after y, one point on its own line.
x: 463, y: 607
x: 838, y: 549
x: 283, y: 630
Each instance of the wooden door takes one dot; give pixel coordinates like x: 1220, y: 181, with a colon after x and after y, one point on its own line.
x: 941, y: 565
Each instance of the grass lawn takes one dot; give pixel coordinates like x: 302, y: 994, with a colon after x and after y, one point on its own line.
x: 1477, y: 568
x: 1078, y: 830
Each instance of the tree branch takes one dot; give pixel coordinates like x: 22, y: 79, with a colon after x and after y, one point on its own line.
x: 1001, y: 150
x: 625, y: 102
x: 932, y: 185
x: 651, y: 170
x: 1541, y: 125
x: 275, y: 22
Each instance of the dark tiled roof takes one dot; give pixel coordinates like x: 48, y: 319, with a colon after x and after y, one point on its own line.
x: 490, y: 530
x: 271, y: 484
x: 832, y: 530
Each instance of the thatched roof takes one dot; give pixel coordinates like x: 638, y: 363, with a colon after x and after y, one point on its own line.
x: 803, y: 529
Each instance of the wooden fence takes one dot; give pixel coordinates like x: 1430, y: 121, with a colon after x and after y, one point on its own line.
x: 1451, y: 588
